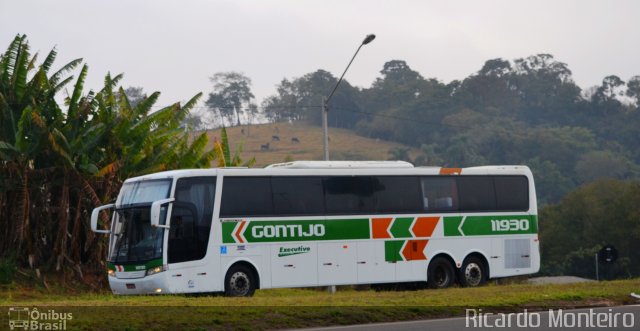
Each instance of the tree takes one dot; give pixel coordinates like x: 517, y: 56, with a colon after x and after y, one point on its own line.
x: 398, y: 84
x: 57, y: 164
x: 231, y: 95
x: 301, y: 98
x: 491, y: 87
x: 496, y: 67
x: 546, y: 89
x: 611, y: 88
x: 600, y: 213
x: 606, y: 97
x: 135, y: 95
x: 602, y: 164
x: 284, y: 105
x: 633, y: 89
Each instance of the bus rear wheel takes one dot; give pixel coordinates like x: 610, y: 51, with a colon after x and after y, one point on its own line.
x: 239, y: 282
x: 440, y: 273
x: 473, y: 272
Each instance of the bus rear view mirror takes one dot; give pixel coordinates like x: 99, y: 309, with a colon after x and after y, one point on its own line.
x: 155, y: 213
x: 94, y: 218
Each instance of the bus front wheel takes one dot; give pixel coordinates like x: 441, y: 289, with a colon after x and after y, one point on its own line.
x: 473, y: 272
x: 440, y: 273
x: 239, y: 282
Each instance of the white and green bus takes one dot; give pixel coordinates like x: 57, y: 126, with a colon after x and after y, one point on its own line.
x: 314, y: 223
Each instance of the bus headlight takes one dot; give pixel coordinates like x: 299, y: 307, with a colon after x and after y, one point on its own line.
x: 155, y: 270
x: 111, y: 273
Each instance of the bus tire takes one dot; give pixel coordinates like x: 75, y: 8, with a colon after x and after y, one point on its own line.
x: 239, y: 282
x: 473, y: 273
x: 440, y: 273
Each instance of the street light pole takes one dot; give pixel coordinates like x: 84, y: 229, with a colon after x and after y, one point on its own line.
x: 325, y: 128
x: 325, y: 101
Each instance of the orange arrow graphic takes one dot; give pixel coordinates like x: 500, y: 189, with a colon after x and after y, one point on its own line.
x: 414, y: 250
x: 379, y: 227
x: 239, y: 231
x: 424, y: 226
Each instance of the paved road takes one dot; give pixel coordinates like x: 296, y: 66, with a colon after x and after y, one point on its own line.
x: 626, y: 318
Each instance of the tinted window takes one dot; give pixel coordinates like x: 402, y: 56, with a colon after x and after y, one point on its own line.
x: 191, y: 219
x: 397, y: 194
x: 512, y: 192
x: 348, y: 195
x: 246, y: 196
x: 439, y: 194
x: 476, y: 193
x: 297, y: 195
x: 144, y: 191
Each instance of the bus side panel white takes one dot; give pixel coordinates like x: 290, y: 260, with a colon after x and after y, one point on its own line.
x: 535, y: 254
x: 496, y: 259
x: 294, y: 264
x: 404, y: 271
x: 337, y: 263
x: 515, y: 258
x: 372, y: 267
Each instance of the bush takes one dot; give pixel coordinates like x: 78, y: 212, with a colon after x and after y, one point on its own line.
x: 7, y: 270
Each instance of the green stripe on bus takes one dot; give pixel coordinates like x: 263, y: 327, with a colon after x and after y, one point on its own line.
x: 400, y: 227
x: 227, y: 229
x: 392, y: 250
x: 298, y: 230
x: 451, y: 225
x: 490, y: 225
x: 347, y: 229
x: 359, y: 228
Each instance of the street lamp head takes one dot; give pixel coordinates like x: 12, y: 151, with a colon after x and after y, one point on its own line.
x: 369, y: 38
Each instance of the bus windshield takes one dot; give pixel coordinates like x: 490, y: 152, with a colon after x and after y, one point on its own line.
x: 134, y: 239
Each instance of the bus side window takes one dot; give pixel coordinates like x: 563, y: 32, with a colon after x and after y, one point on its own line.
x: 191, y: 219
x: 512, y: 192
x: 477, y: 193
x: 397, y: 194
x: 297, y: 195
x: 349, y: 195
x: 439, y: 194
x: 246, y: 196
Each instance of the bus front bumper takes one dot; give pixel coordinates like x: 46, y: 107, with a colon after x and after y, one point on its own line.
x: 153, y: 284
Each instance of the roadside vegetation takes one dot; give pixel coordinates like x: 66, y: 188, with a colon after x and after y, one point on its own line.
x: 60, y: 160
x: 289, y: 308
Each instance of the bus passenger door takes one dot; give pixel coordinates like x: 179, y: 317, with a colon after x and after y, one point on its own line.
x: 189, y: 231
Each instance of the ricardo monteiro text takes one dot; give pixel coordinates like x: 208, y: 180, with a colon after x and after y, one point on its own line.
x: 476, y: 318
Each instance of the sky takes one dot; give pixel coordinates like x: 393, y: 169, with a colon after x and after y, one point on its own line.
x: 175, y: 46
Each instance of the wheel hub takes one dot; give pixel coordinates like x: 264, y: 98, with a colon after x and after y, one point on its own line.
x: 239, y: 283
x: 473, y: 274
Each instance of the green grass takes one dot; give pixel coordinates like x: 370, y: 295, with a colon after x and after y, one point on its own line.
x: 288, y: 308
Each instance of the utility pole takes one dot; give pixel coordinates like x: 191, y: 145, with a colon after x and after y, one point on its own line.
x: 325, y: 128
x: 325, y: 101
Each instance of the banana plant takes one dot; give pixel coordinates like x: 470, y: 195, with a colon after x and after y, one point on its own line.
x: 223, y: 153
x: 58, y: 161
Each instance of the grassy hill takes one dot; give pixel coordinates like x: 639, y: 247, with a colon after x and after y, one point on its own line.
x: 343, y: 144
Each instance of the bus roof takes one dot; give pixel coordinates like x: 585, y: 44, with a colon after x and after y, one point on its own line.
x: 341, y: 165
x: 347, y: 168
